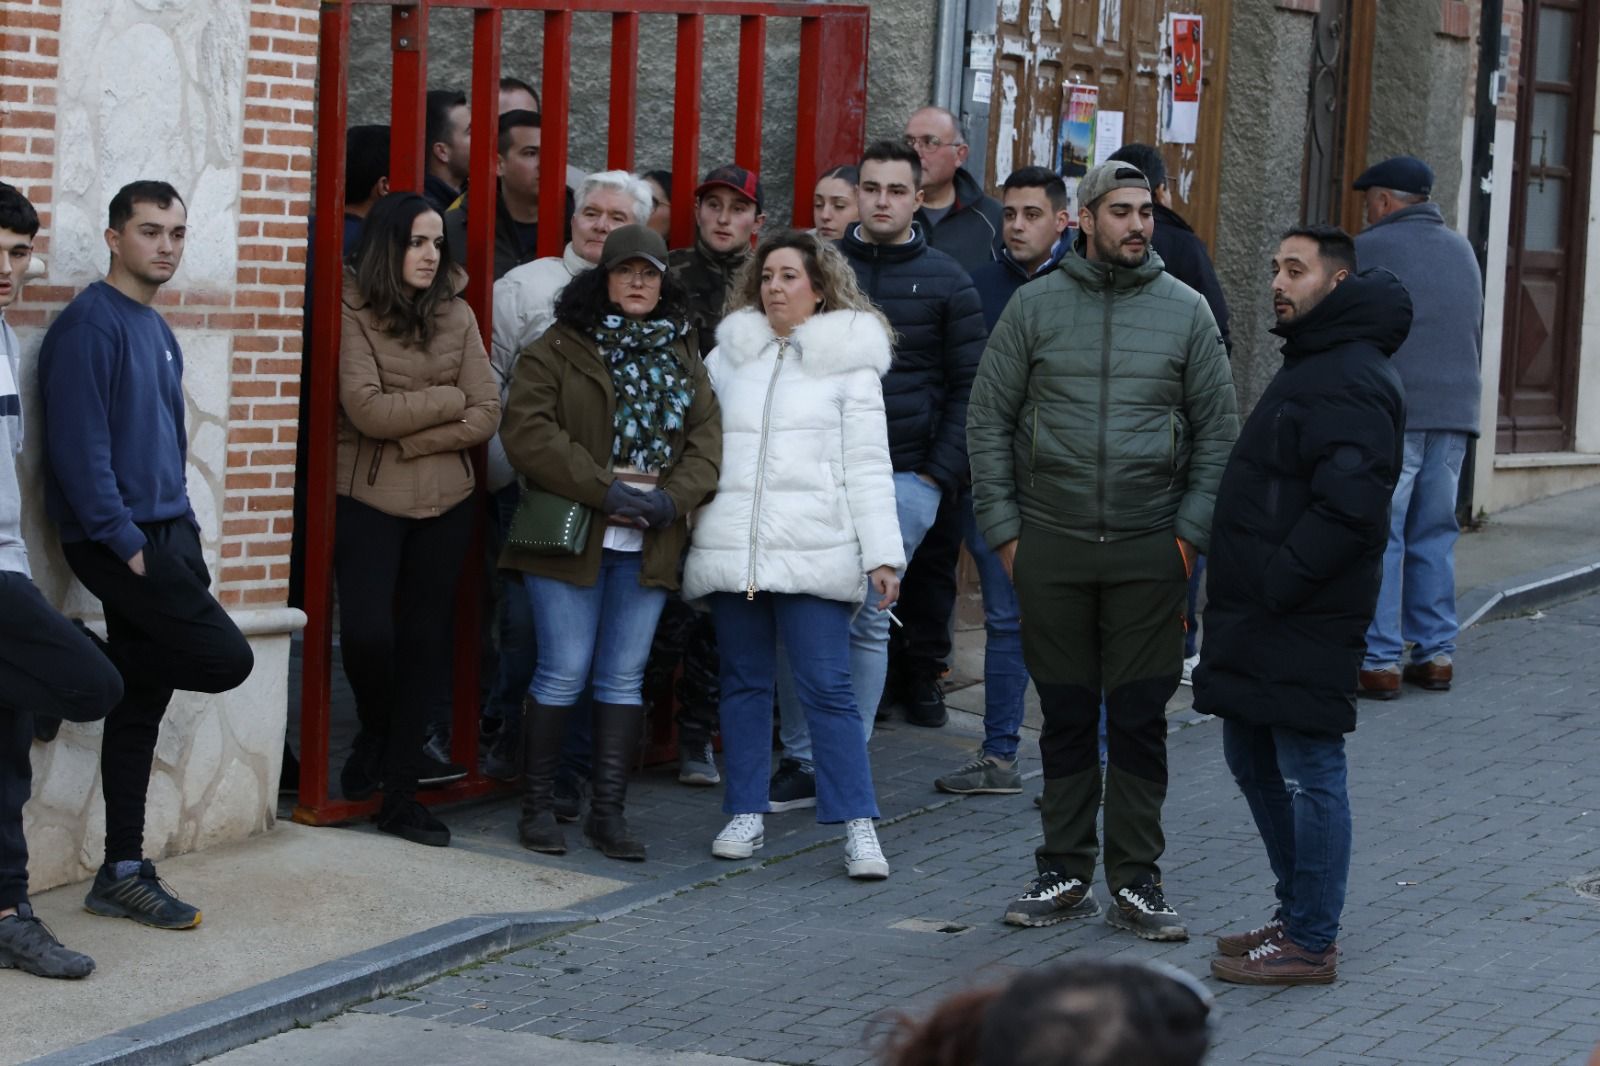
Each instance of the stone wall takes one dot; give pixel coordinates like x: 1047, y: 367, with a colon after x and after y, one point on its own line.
x: 900, y: 78
x: 214, y: 96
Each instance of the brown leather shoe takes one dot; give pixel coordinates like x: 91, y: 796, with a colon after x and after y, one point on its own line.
x: 1434, y: 675
x: 1379, y: 684
x: 1236, y: 945
x: 1279, y: 961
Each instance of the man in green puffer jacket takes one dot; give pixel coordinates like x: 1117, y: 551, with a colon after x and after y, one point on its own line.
x: 1100, y: 421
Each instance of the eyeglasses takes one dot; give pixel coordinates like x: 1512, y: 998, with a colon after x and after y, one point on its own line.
x: 647, y: 276
x: 928, y: 144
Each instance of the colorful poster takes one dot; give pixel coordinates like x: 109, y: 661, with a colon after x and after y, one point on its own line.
x: 1180, y: 70
x: 1075, y: 148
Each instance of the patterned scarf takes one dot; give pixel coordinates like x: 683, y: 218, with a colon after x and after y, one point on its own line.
x: 653, y: 392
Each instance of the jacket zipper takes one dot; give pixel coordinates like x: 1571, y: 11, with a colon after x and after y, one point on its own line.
x: 1172, y: 425
x: 1033, y: 447
x: 377, y: 457
x: 1273, y: 481
x: 1105, y: 405
x: 761, y: 466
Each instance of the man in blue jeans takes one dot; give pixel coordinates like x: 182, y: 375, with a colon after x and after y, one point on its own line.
x: 1300, y: 524
x: 939, y: 336
x: 1407, y: 235
x: 1033, y: 218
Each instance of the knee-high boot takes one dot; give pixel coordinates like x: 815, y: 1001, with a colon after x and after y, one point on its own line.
x: 542, y: 729
x: 616, y: 738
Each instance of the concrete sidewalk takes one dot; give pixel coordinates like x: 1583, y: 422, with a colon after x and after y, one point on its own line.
x: 298, y: 897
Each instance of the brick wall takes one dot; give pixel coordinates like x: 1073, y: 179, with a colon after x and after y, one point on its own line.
x: 263, y: 310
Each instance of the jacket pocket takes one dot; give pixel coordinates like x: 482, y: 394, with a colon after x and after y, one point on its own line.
x: 377, y: 460
x: 466, y: 465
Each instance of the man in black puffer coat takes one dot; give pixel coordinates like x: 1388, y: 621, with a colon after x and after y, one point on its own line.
x: 939, y: 337
x: 1297, y: 539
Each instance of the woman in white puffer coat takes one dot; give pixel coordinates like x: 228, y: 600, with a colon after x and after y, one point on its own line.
x: 803, y: 519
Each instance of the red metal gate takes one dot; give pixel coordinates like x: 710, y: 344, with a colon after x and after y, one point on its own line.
x: 830, y: 126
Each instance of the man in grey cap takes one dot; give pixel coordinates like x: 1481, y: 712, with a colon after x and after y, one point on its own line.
x: 1099, y: 424
x: 1406, y: 234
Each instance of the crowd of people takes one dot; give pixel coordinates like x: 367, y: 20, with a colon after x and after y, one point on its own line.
x: 751, y: 465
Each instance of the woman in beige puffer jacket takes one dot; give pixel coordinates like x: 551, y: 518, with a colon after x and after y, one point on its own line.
x: 416, y: 393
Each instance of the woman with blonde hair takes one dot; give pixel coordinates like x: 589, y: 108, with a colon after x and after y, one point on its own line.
x: 803, y: 520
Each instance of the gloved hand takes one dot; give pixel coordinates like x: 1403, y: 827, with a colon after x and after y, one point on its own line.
x: 625, y: 502
x: 658, y: 509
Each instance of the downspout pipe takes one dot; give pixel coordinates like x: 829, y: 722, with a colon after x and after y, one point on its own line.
x: 948, y: 83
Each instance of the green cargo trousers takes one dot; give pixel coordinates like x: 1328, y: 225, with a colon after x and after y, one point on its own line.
x: 1102, y: 617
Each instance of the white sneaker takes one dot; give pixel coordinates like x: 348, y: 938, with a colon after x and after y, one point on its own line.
x: 863, y: 858
x: 740, y: 838
x: 1188, y: 669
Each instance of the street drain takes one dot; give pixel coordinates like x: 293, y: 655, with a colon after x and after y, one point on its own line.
x: 1589, y: 887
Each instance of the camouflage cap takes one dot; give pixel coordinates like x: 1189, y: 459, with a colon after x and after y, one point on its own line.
x: 1108, y: 176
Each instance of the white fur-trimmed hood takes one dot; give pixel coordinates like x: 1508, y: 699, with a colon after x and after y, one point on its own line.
x: 832, y: 342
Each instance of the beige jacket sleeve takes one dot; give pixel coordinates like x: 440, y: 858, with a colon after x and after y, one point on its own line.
x: 481, y: 415
x: 386, y: 415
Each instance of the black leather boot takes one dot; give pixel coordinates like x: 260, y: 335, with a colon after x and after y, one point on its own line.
x: 542, y: 728
x: 616, y: 740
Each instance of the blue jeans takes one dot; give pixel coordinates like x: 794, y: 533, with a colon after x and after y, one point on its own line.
x: 600, y: 634
x: 1417, y: 601
x: 1005, y: 678
x: 817, y: 633
x: 1295, y: 785
x: 916, y: 504
x: 519, y: 642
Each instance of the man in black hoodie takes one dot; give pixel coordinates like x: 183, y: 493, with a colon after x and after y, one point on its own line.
x: 1297, y: 541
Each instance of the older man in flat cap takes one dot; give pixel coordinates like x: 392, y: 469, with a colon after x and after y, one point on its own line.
x: 1406, y: 234
x: 1099, y: 424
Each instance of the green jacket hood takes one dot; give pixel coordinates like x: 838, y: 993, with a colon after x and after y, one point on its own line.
x: 1097, y: 275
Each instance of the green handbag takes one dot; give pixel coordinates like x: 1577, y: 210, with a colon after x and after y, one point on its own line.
x: 547, y: 524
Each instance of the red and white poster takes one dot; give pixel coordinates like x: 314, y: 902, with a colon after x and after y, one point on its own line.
x: 1180, y: 89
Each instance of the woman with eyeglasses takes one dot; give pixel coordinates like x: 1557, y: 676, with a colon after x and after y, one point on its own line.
x: 415, y: 394
x: 1070, y: 1014
x: 803, y: 522
x: 610, y: 408
x: 834, y: 206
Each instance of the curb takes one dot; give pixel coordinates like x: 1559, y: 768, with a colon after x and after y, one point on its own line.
x: 1528, y: 592
x: 319, y: 992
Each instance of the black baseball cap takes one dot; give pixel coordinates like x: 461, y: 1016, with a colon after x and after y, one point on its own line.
x: 1403, y: 173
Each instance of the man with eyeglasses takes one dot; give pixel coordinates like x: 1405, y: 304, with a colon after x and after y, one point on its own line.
x: 959, y: 220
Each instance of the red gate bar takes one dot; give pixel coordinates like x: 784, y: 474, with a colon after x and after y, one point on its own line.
x: 624, y: 91
x: 553, y: 150
x: 833, y: 69
x: 752, y: 92
x: 686, y: 127
x: 408, y: 107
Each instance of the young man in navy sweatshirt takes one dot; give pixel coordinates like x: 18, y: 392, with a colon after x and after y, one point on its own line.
x: 111, y: 378
x: 48, y: 669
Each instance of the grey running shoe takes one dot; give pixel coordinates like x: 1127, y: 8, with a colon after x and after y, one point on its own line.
x: 27, y: 944
x: 1050, y: 898
x: 1142, y: 910
x: 141, y: 896
x: 697, y: 765
x: 985, y: 774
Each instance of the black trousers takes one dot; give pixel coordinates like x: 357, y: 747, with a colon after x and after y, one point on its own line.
x: 928, y: 594
x: 49, y: 668
x: 397, y: 586
x: 164, y: 632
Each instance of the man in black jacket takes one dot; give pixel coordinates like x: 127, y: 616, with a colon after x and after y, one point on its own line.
x: 516, y: 219
x: 957, y: 217
x: 1297, y: 540
x: 938, y: 323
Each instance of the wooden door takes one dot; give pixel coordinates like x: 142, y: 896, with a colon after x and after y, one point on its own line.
x: 1116, y: 45
x: 1549, y: 226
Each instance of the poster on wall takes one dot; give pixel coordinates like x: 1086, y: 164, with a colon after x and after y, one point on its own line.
x: 1107, y: 135
x: 1180, y: 81
x: 1075, y: 143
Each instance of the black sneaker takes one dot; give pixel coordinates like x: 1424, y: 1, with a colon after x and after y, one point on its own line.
x: 406, y: 818
x: 1050, y: 898
x: 432, y: 772
x: 27, y: 944
x: 791, y: 788
x: 570, y: 792
x: 925, y: 702
x: 503, y: 760
x: 141, y: 896
x: 360, y: 777
x: 1142, y: 910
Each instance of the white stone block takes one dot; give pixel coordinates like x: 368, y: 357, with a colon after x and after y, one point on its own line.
x: 163, y: 816
x: 203, y: 763
x: 68, y: 781
x: 234, y: 809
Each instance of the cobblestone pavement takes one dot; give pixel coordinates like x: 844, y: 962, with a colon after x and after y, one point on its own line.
x: 1465, y: 939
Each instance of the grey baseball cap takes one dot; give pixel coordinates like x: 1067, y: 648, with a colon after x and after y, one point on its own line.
x: 634, y: 242
x: 1108, y: 176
